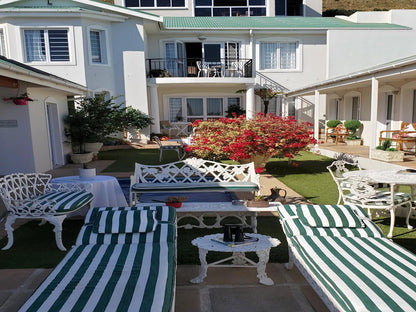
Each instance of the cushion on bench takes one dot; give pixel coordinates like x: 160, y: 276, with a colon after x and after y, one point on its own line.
x: 118, y: 277
x: 66, y: 201
x: 125, y: 221
x: 358, y: 273
x: 293, y: 226
x: 189, y: 187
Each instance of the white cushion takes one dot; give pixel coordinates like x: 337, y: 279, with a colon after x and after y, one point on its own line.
x: 410, y: 128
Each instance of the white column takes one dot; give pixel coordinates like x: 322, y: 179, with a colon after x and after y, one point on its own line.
x: 373, y: 113
x: 316, y: 116
x: 250, y: 102
x: 154, y: 105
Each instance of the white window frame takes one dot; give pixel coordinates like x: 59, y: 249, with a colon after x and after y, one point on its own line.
x: 104, y: 45
x: 161, y: 7
x: 3, y: 45
x: 204, y: 103
x: 247, y: 6
x: 71, y: 45
x: 279, y: 41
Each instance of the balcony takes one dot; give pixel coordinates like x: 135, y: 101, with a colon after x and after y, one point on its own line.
x: 198, y: 68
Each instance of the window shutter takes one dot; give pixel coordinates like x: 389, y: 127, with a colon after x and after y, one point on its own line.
x: 58, y: 45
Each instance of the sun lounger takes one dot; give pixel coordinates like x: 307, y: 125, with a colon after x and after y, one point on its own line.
x: 351, y: 270
x: 115, y: 265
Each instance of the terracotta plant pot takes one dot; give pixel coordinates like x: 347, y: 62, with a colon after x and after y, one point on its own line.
x: 175, y: 205
x: 20, y: 101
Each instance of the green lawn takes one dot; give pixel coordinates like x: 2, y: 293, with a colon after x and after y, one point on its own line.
x: 310, y: 179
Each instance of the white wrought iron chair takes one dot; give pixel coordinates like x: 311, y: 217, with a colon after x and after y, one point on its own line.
x: 337, y: 170
x: 205, y: 69
x: 171, y: 147
x: 167, y: 126
x: 359, y: 191
x: 31, y: 196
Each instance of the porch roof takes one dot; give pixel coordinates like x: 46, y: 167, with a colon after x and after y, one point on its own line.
x: 400, y: 68
x: 263, y: 22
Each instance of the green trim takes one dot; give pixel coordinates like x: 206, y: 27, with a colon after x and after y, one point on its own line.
x: 262, y: 22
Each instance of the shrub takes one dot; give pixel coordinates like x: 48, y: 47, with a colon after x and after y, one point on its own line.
x: 353, y: 126
x: 333, y: 123
x: 240, y: 138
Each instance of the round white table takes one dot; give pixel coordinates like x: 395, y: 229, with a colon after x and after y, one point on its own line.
x: 106, y: 189
x: 261, y: 247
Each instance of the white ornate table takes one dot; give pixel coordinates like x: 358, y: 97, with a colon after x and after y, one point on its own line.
x: 261, y: 247
x: 106, y: 189
x: 220, y: 210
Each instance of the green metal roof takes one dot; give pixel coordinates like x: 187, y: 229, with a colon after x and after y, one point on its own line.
x: 263, y: 22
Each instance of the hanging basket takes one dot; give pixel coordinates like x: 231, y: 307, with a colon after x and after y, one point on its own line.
x: 20, y: 101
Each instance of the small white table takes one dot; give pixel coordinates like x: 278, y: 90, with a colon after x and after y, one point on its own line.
x: 106, y: 189
x: 220, y: 210
x: 261, y: 247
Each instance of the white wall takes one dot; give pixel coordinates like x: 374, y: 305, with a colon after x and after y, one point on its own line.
x: 312, y: 7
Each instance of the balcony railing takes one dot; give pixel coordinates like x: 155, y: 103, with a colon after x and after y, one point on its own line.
x: 188, y: 67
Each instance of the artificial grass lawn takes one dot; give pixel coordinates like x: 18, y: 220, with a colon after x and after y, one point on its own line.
x: 35, y: 246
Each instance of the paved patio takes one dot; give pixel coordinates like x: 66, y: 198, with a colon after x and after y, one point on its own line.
x: 225, y: 289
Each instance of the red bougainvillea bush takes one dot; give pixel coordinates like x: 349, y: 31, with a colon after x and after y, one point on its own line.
x: 241, y: 139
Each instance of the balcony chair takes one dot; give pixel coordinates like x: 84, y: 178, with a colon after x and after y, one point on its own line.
x: 168, y: 147
x: 205, y: 69
x: 165, y: 125
x: 31, y: 196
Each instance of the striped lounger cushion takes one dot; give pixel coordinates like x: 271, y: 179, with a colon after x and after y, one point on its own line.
x: 293, y: 225
x: 358, y: 273
x: 114, y: 272
x: 66, y: 201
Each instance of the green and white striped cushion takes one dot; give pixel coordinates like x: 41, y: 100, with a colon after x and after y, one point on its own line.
x: 358, y: 274
x: 121, y: 277
x: 379, y: 199
x: 125, y: 221
x: 163, y: 213
x: 67, y: 201
x: 324, y: 216
x: 164, y: 232
x: 292, y: 225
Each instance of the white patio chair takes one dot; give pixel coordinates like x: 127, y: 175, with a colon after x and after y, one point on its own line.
x: 171, y: 147
x: 337, y: 170
x: 167, y: 126
x: 31, y: 196
x: 205, y: 69
x: 363, y: 194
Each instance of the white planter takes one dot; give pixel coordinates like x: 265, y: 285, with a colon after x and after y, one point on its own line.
x: 387, y: 156
x: 87, y: 173
x: 353, y: 142
x: 93, y: 147
x: 81, y: 158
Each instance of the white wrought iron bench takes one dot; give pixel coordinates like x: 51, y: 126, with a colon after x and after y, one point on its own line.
x: 31, y: 196
x: 192, y: 175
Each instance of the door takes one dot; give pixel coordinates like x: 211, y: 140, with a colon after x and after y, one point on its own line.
x: 389, y: 111
x: 55, y: 142
x: 212, y: 52
x: 175, y: 56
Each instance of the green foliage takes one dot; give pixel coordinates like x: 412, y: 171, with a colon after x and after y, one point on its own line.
x: 385, y: 146
x: 95, y: 118
x: 234, y: 111
x: 333, y: 123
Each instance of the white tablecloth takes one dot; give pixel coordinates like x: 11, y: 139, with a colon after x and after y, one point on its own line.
x: 106, y: 189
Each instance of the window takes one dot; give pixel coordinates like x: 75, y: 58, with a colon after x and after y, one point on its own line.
x: 355, y: 108
x: 289, y: 7
x: 46, y: 45
x: 98, y: 47
x: 155, y: 3
x: 199, y: 108
x: 279, y: 55
x: 230, y: 8
x: 2, y: 43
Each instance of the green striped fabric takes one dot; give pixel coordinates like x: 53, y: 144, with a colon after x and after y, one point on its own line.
x: 323, y: 216
x: 164, y: 232
x: 125, y: 221
x: 66, y: 201
x: 163, y: 213
x: 358, y: 273
x: 292, y: 225
x: 119, y: 277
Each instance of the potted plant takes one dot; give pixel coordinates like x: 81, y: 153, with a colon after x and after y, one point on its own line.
x: 175, y: 201
x: 20, y: 99
x: 385, y: 152
x: 260, y: 201
x: 352, y: 126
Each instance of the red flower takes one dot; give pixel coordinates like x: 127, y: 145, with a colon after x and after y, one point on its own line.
x: 259, y: 169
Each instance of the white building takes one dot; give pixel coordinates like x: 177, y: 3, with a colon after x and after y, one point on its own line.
x: 181, y: 60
